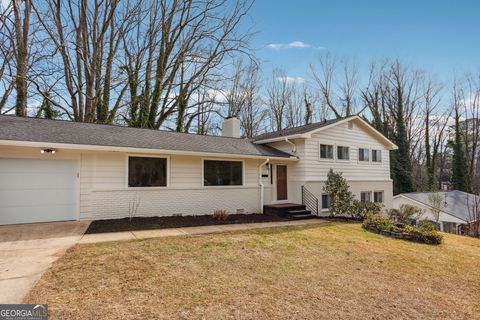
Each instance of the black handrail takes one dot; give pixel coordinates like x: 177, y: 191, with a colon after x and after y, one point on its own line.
x: 309, y: 200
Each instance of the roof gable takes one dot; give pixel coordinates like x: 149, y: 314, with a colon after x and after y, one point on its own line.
x: 306, y: 131
x: 456, y: 202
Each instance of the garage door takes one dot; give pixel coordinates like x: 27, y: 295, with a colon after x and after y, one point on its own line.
x: 37, y: 190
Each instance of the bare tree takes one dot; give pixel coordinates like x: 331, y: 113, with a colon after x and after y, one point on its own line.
x: 435, y: 123
x: 279, y: 95
x: 22, y: 10
x: 180, y: 46
x: 7, y: 82
x: 471, y: 126
x: 473, y: 205
x: 437, y: 204
x: 339, y: 89
x: 85, y: 37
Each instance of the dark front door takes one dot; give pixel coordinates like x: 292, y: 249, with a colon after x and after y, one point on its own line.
x: 282, y: 182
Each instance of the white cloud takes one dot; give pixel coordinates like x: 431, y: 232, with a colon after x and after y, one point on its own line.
x: 290, y: 45
x: 296, y: 80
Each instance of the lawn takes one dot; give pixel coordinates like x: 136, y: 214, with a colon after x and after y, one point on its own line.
x: 327, y: 271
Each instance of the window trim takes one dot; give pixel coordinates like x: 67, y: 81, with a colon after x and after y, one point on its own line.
x: 131, y: 155
x: 383, y: 195
x: 336, y: 154
x: 334, y: 148
x: 202, y: 182
x: 370, y: 196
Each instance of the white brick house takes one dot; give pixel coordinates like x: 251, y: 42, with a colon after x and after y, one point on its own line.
x: 54, y: 170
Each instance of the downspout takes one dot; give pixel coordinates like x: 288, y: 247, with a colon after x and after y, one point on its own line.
x: 260, y: 182
x: 294, y: 151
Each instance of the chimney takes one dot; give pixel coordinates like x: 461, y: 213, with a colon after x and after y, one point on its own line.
x: 231, y: 127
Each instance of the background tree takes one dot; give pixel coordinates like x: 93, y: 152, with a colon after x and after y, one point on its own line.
x: 338, y: 88
x: 437, y: 203
x: 460, y: 180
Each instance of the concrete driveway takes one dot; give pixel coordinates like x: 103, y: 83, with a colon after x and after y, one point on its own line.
x: 27, y: 251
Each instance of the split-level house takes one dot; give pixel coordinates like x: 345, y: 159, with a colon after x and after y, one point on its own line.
x: 52, y: 170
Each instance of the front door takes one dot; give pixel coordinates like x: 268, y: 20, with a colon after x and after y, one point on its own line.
x: 281, y: 182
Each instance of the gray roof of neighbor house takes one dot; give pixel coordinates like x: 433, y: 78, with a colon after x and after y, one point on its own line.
x: 66, y: 132
x: 298, y: 130
x: 456, y: 203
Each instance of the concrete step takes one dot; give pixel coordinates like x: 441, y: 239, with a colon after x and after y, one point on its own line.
x: 299, y: 214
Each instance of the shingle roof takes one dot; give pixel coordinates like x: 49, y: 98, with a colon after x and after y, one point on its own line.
x: 58, y: 131
x: 298, y: 130
x: 457, y: 202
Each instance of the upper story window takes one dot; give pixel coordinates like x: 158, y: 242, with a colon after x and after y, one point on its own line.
x: 363, y: 154
x: 147, y: 172
x: 377, y: 155
x: 222, y: 173
x: 365, y: 196
x: 378, y: 196
x: 326, y: 151
x: 343, y: 153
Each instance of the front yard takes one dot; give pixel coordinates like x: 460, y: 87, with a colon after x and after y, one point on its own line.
x: 333, y: 270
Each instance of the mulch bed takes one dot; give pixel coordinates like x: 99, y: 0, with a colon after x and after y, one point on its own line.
x: 151, y: 223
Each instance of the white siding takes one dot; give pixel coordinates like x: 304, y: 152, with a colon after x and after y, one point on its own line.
x: 356, y: 187
x: 355, y: 138
x: 312, y: 171
x: 104, y: 192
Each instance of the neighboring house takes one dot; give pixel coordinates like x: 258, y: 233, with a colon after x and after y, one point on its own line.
x: 455, y: 210
x: 53, y: 170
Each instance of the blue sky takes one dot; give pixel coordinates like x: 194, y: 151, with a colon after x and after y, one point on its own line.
x: 440, y: 36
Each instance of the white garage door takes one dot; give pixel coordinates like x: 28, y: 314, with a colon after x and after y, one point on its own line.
x: 37, y: 190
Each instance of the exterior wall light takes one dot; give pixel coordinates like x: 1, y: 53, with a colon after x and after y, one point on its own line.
x: 48, y: 151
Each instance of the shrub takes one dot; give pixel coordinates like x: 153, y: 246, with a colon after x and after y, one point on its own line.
x: 220, y: 215
x: 360, y: 210
x: 385, y: 226
x: 405, y: 213
x: 376, y: 221
x: 424, y: 235
x: 427, y: 225
x: 341, y: 197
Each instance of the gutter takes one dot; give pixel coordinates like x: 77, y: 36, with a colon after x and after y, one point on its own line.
x: 260, y: 182
x: 82, y: 147
x: 294, y: 151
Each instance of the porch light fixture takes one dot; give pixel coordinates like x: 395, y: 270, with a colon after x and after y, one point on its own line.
x: 48, y: 151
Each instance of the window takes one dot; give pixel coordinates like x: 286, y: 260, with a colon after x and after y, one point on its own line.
x: 365, y: 196
x: 147, y: 172
x: 325, y: 201
x: 450, y: 227
x: 222, y: 173
x: 343, y: 153
x: 326, y: 151
x: 378, y: 196
x: 363, y: 154
x: 377, y: 155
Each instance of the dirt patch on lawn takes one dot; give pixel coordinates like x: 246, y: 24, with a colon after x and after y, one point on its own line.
x: 151, y: 223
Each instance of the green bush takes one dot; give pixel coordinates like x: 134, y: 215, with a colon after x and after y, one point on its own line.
x: 378, y: 224
x: 427, y: 225
x: 360, y: 210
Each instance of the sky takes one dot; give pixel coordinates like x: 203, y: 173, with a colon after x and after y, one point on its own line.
x: 441, y: 37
